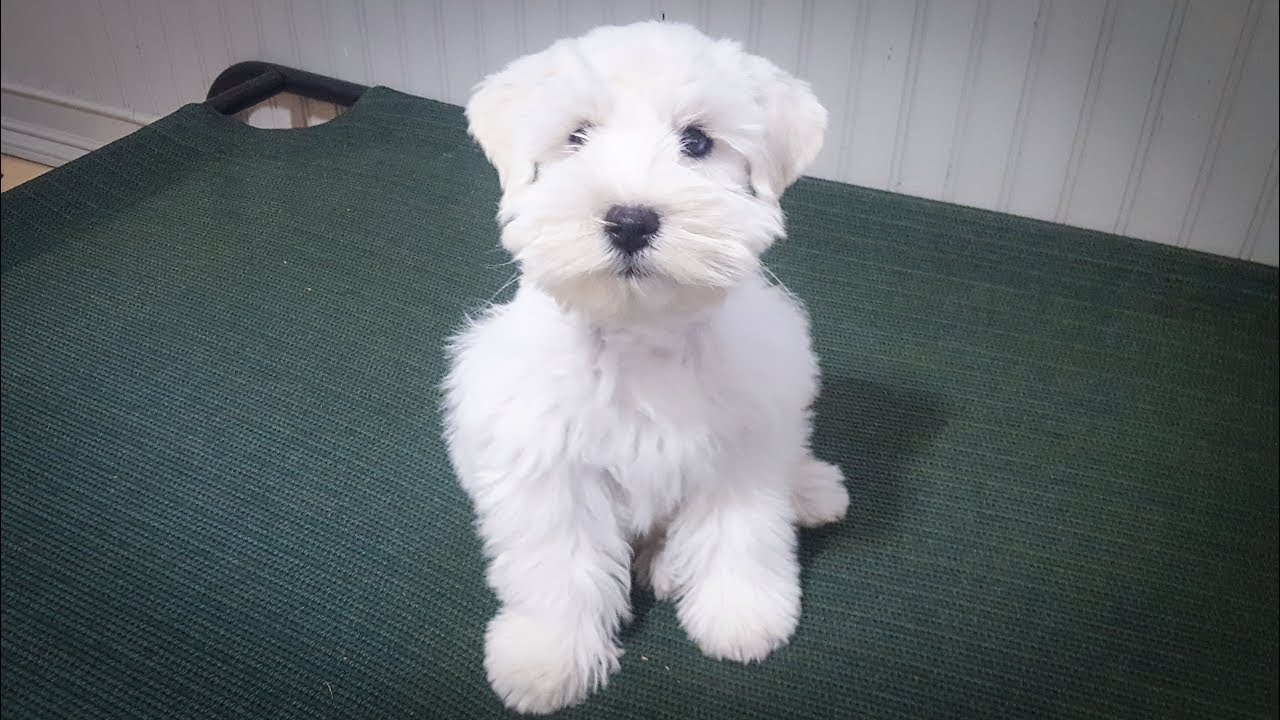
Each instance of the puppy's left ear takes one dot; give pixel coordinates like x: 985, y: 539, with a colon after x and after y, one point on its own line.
x: 795, y: 124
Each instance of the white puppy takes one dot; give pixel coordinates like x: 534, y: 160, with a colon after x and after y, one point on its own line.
x: 646, y: 393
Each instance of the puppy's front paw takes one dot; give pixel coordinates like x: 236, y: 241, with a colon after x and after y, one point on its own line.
x: 539, y: 665
x: 731, y: 619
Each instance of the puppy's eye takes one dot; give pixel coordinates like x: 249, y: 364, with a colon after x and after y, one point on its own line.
x: 579, y: 136
x: 694, y: 142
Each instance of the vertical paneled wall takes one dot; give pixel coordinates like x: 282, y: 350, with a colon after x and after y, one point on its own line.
x: 1150, y: 118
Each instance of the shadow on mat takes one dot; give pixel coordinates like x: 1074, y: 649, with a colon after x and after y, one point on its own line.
x: 873, y: 431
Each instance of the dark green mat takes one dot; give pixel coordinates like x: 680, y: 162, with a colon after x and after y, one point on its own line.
x: 224, y: 494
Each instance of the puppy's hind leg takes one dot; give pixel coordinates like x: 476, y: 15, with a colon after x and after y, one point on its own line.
x: 651, y: 565
x: 818, y: 494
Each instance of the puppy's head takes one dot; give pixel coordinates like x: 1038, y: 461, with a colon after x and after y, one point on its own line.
x: 641, y: 166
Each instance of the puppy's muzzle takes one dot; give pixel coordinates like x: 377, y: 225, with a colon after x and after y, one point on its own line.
x: 631, y: 228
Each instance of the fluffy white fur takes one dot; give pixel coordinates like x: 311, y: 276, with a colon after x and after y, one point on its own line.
x: 658, y: 417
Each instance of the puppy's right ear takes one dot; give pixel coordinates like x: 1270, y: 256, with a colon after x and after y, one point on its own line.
x: 492, y: 113
x: 497, y: 116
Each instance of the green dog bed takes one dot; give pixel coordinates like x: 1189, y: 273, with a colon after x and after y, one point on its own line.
x: 225, y: 492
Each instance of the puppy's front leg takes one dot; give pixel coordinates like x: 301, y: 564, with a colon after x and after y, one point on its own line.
x: 731, y: 553
x: 560, y: 567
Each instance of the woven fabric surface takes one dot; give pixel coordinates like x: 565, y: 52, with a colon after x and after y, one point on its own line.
x: 225, y: 495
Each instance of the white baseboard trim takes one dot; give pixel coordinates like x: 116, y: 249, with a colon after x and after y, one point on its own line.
x: 47, y: 147
x: 53, y: 129
x: 75, y: 103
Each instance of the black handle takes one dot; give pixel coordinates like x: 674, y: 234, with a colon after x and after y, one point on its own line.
x: 246, y: 84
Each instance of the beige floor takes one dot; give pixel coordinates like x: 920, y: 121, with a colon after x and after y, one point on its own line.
x: 17, y: 171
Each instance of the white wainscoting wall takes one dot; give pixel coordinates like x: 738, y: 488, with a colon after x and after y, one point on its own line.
x: 1150, y: 118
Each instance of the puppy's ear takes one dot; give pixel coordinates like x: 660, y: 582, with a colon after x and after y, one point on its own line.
x: 496, y: 116
x: 795, y: 123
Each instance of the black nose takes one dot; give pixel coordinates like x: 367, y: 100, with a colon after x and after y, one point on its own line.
x: 631, y: 228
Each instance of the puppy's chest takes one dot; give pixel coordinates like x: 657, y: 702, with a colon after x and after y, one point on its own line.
x: 655, y: 422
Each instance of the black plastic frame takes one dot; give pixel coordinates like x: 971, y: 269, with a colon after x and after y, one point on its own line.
x: 246, y: 84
